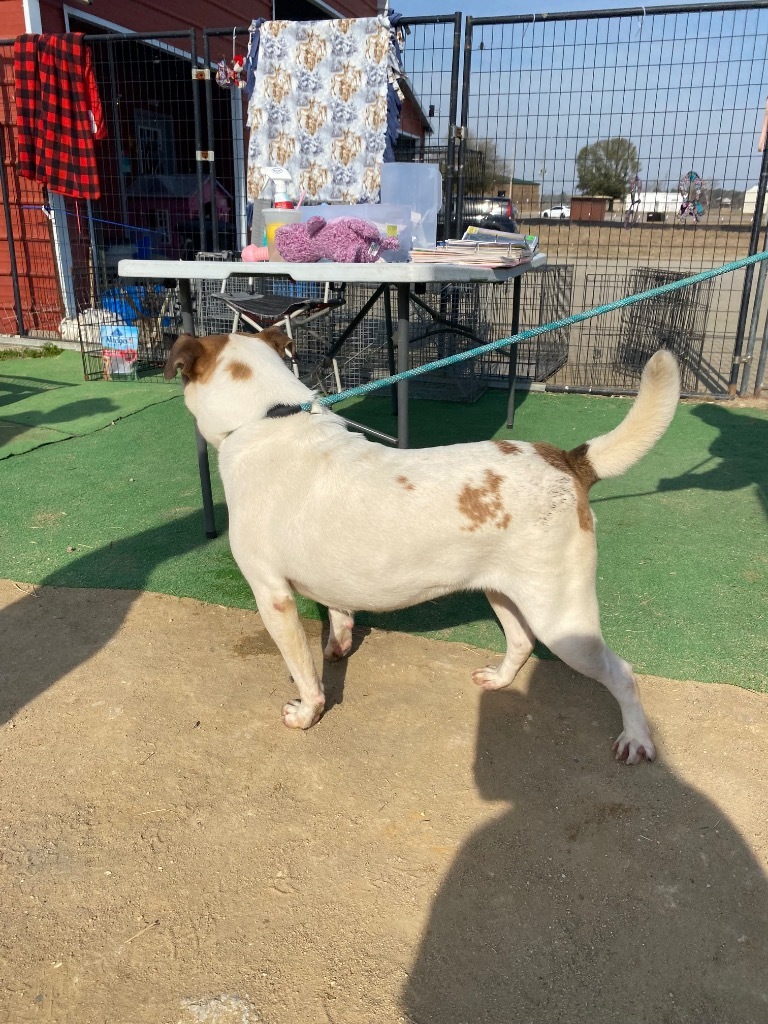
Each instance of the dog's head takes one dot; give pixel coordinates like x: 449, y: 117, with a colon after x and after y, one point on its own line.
x: 233, y: 379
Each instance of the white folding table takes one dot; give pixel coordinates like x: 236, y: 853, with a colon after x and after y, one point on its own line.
x: 384, y: 275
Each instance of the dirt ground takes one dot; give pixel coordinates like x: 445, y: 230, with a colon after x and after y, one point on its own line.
x: 685, y: 243
x: 171, y: 854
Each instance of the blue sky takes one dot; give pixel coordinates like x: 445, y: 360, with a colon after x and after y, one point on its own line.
x: 499, y: 8
x: 688, y: 90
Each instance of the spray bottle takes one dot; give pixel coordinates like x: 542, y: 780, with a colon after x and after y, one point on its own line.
x: 280, y: 179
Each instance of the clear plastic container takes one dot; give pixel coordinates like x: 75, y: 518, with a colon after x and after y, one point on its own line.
x: 419, y: 187
x: 274, y: 219
x: 391, y: 219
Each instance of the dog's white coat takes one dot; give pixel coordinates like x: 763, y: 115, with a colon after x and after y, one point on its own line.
x: 355, y: 525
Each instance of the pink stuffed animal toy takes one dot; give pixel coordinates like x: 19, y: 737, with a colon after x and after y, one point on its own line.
x: 345, y: 240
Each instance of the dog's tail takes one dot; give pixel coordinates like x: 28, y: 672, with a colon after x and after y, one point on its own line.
x: 650, y: 415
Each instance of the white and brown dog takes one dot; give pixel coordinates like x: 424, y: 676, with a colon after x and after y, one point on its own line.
x: 506, y: 517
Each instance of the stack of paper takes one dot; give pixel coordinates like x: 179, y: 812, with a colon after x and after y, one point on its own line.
x: 473, y: 234
x: 481, y: 247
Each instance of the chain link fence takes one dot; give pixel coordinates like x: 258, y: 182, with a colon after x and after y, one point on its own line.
x: 625, y: 140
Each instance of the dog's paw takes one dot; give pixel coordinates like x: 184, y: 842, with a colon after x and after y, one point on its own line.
x: 340, y: 638
x: 338, y: 649
x: 633, y: 750
x: 488, y: 678
x: 297, y: 714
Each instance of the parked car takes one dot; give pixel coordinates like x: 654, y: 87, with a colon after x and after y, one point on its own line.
x: 557, y: 213
x: 493, y: 224
x: 494, y: 212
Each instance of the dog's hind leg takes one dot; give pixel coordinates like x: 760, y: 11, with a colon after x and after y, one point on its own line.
x: 519, y: 644
x: 277, y: 608
x: 568, y: 623
x: 340, y: 635
x: 590, y: 656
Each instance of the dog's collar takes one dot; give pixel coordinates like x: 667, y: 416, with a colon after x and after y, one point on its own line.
x: 283, y: 410
x: 274, y: 413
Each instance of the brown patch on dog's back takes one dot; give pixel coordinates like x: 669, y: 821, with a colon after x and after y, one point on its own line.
x: 484, y: 504
x: 406, y: 483
x: 507, y: 447
x: 196, y: 357
x: 239, y: 371
x: 577, y: 465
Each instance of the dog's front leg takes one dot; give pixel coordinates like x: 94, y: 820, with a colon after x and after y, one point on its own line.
x: 340, y: 634
x: 281, y: 618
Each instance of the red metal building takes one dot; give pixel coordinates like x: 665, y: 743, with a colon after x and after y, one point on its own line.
x: 55, y: 245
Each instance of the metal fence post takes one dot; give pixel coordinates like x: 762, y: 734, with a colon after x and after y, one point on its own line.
x: 199, y: 154
x: 450, y: 159
x: 211, y: 142
x: 757, y: 306
x: 114, y: 102
x: 754, y: 240
x: 464, y: 120
x: 761, y: 364
x: 18, y: 309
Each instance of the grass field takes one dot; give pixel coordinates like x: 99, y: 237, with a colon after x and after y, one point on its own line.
x: 659, y: 243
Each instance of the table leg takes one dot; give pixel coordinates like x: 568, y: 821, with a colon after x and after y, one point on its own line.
x: 185, y: 306
x: 516, y: 291
x: 205, y: 485
x: 403, y: 314
x: 188, y: 327
x: 390, y: 347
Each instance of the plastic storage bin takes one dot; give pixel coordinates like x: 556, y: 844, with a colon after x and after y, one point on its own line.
x: 390, y: 219
x: 419, y: 187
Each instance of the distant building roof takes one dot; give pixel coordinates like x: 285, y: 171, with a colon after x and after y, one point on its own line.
x: 500, y: 180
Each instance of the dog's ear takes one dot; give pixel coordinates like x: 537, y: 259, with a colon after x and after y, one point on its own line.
x: 197, y: 357
x: 275, y: 338
x: 185, y: 352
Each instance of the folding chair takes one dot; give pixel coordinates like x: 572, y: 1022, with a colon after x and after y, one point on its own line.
x: 264, y: 309
x: 286, y: 311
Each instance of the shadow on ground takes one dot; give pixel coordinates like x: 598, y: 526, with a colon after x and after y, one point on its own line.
x: 738, y: 453
x: 596, y: 895
x: 736, y: 458
x: 39, y: 648
x: 43, y: 644
x: 15, y: 387
x: 54, y: 419
x: 435, y: 422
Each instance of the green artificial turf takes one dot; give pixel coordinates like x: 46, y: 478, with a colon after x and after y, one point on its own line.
x: 683, y: 567
x: 41, y: 403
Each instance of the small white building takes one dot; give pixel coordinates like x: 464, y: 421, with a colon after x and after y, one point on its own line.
x: 656, y: 205
x: 750, y: 201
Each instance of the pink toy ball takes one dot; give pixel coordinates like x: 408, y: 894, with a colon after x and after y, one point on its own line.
x: 254, y: 254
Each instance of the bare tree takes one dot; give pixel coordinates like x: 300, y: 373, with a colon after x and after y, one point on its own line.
x: 483, y: 166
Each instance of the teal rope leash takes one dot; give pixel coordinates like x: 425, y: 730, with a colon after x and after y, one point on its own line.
x: 534, y: 332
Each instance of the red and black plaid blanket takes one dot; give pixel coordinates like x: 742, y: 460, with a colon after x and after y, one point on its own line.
x: 58, y: 113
